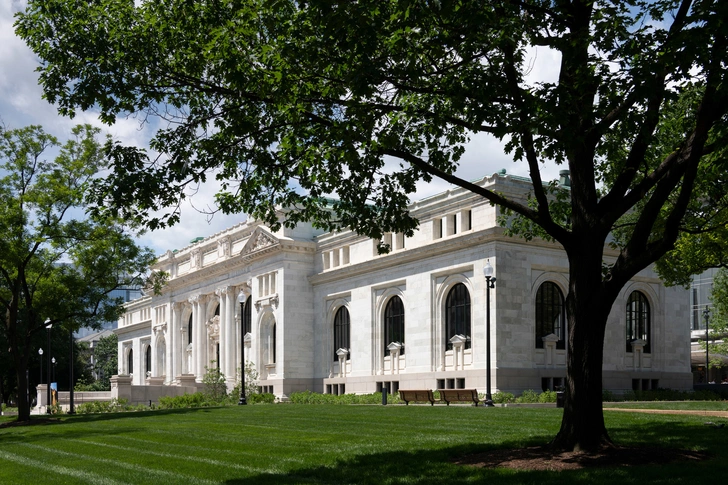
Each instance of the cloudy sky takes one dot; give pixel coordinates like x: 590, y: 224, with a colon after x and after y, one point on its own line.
x: 21, y: 104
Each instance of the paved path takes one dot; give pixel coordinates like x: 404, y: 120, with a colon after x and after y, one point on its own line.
x: 696, y: 412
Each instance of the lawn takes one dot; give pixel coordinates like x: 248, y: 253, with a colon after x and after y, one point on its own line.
x: 331, y: 444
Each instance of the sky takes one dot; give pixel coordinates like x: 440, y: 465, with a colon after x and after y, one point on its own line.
x: 21, y: 104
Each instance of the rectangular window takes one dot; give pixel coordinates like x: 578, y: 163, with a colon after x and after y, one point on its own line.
x: 441, y: 383
x: 328, y: 388
x: 336, y: 261
x: 345, y: 255
x: 635, y: 384
x: 460, y: 383
x: 545, y: 384
x: 655, y: 384
x: 326, y: 260
x: 437, y: 229
x: 450, y: 384
x: 394, y: 388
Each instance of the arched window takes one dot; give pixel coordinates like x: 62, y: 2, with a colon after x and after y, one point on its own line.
x: 638, y: 320
x: 273, y: 342
x: 217, y: 310
x: 457, y: 315
x: 394, y: 323
x: 189, y: 331
x: 148, y: 360
x: 550, y: 314
x: 341, y: 331
x: 130, y: 362
x: 248, y: 315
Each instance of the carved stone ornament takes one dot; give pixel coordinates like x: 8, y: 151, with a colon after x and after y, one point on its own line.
x: 213, y: 326
x: 552, y: 337
x: 195, y: 258
x: 258, y: 241
x: 269, y: 301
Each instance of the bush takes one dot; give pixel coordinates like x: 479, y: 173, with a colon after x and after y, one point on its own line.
x: 503, y: 398
x: 263, y: 398
x: 97, y: 407
x: 547, y: 396
x: 309, y: 397
x: 196, y: 400
x: 528, y: 396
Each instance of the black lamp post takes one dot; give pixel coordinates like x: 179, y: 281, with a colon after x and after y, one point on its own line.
x: 706, y: 314
x: 40, y: 352
x: 53, y: 359
x: 243, y: 400
x: 48, y: 388
x: 71, y: 409
x: 489, y: 284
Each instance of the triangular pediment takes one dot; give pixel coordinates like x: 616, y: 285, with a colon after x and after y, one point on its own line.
x: 260, y: 241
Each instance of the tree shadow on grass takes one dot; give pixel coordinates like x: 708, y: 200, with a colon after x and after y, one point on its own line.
x: 439, y: 466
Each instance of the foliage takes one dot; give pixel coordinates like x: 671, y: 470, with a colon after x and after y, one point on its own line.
x: 719, y: 317
x: 215, y: 384
x: 310, y: 397
x: 57, y: 266
x: 261, y: 398
x: 288, y: 103
x: 196, y: 400
x: 669, y: 395
x: 251, y: 379
x: 106, y: 359
x: 528, y: 396
x: 113, y: 406
x: 500, y: 397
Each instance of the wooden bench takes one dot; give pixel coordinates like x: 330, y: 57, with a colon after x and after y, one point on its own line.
x: 417, y: 395
x: 459, y: 395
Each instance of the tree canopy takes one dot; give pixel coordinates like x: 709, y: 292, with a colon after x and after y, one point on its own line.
x: 57, y: 266
x: 286, y: 103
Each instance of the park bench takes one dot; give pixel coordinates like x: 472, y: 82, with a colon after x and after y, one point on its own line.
x: 417, y: 395
x: 459, y: 395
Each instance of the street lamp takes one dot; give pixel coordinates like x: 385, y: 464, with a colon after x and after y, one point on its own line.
x: 489, y: 284
x: 40, y: 352
x: 706, y: 314
x: 54, y: 369
x: 243, y: 400
x: 48, y: 388
x: 71, y: 409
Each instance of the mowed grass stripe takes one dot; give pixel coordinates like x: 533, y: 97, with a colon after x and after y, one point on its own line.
x: 49, y: 469
x: 199, y: 450
x: 188, y: 457
x: 118, y: 463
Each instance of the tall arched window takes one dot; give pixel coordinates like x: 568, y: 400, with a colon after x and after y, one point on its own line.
x: 550, y: 314
x: 130, y: 362
x: 273, y: 342
x: 341, y: 331
x: 247, y: 315
x: 638, y: 320
x: 189, y: 331
x: 148, y: 360
x: 457, y: 315
x: 217, y: 310
x: 394, y: 323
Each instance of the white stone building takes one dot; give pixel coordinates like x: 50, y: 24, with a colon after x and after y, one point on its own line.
x: 325, y: 312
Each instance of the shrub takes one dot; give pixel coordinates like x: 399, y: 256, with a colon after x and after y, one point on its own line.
x: 528, y: 396
x: 97, y: 407
x: 309, y: 397
x: 547, y: 396
x: 263, y: 398
x: 503, y: 397
x: 215, y: 384
x: 196, y: 400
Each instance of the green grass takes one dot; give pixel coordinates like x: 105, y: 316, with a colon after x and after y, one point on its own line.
x: 680, y: 405
x: 331, y: 444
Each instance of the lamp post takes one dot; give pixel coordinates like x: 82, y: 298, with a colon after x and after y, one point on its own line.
x: 40, y: 352
x: 706, y: 315
x: 71, y: 409
x: 489, y: 284
x: 243, y: 400
x: 48, y: 387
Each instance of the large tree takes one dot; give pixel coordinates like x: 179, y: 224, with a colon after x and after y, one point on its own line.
x: 57, y: 266
x: 287, y: 102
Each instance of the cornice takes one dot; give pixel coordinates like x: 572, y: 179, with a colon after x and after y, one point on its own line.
x: 145, y: 325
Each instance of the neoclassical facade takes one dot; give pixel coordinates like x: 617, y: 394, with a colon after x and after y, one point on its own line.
x: 325, y: 312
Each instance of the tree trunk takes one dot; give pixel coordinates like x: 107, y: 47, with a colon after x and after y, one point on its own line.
x: 588, y: 308
x: 21, y: 365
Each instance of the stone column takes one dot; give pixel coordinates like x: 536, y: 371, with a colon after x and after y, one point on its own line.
x: 200, y: 342
x: 230, y: 340
x: 221, y: 293
x: 172, y: 349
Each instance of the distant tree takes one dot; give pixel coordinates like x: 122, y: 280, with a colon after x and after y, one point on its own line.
x: 57, y: 266
x: 718, y: 336
x: 106, y: 355
x: 288, y: 102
